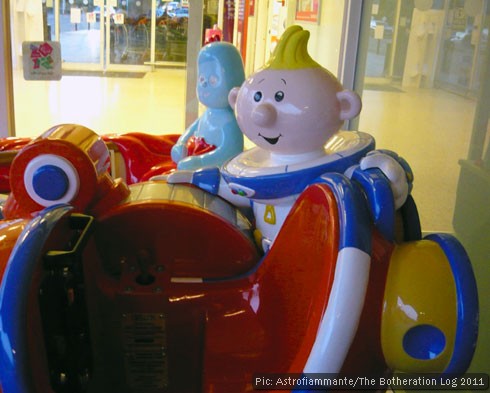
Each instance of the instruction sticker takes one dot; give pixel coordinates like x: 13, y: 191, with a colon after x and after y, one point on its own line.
x: 41, y: 60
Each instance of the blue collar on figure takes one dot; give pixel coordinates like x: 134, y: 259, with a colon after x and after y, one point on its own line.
x: 248, y: 174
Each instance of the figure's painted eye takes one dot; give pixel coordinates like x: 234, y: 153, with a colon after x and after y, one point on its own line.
x: 202, y: 80
x: 213, y: 80
x: 279, y: 96
x: 258, y: 96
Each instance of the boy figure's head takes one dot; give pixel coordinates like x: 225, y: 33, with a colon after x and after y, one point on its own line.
x: 292, y: 105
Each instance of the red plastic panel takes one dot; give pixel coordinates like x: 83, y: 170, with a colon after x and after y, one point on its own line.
x: 144, y: 155
x: 150, y: 332
x: 186, y: 240
x: 276, y: 328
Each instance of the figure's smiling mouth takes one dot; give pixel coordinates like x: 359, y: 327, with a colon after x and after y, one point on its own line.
x: 272, y: 141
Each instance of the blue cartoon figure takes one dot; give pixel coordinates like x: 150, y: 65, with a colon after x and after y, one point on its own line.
x: 215, y: 136
x: 292, y: 109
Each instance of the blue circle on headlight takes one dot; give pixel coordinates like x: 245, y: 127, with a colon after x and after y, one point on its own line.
x: 424, y: 342
x: 50, y: 182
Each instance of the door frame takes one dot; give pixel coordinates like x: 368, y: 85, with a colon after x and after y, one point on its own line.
x: 195, y: 27
x: 7, y: 121
x: 349, y: 73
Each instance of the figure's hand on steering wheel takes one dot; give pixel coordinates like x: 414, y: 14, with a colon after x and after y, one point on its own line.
x: 190, y: 163
x: 178, y: 152
x: 395, y: 168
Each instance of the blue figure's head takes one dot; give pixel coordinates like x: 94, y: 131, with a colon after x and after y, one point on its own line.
x: 220, y: 68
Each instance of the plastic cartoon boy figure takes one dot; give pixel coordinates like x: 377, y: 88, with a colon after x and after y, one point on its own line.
x: 292, y: 110
x: 215, y: 136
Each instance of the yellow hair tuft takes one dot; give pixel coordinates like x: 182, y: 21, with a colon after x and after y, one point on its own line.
x: 291, y: 52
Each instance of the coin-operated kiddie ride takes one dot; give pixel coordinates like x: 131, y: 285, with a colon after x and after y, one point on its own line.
x: 162, y: 287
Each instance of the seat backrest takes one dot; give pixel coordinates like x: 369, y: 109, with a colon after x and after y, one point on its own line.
x: 183, y: 229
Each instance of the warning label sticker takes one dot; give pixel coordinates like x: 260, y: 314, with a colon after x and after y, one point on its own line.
x: 144, y: 340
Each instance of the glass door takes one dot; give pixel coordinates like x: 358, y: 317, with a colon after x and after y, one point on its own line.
x: 119, y: 34
x: 149, y: 33
x: 113, y: 63
x: 445, y: 137
x: 464, y: 39
x: 78, y: 26
x: 381, y: 27
x: 128, y: 33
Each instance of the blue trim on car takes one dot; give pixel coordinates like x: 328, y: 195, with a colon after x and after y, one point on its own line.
x: 14, y: 292
x: 354, y: 220
x: 467, y: 302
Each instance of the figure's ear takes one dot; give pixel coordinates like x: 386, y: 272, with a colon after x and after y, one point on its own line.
x: 350, y: 104
x: 232, y: 96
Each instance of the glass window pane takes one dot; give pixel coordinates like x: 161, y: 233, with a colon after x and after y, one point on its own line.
x: 417, y: 95
x: 124, y: 65
x: 425, y: 91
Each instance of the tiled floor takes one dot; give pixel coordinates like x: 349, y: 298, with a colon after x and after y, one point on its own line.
x: 429, y: 127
